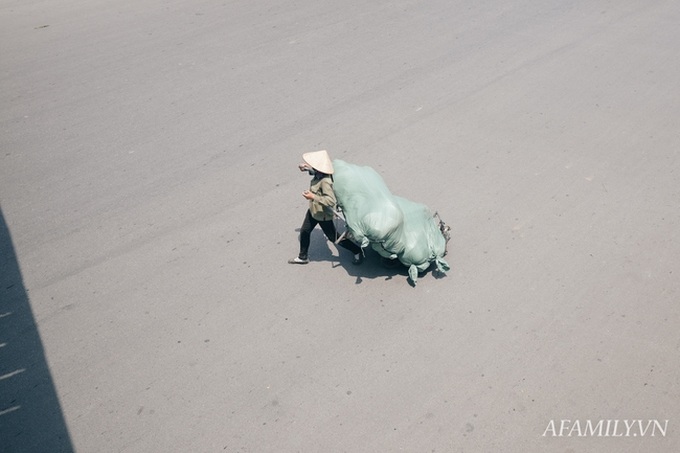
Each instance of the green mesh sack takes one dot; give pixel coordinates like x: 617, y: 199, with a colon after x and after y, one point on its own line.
x: 393, y: 226
x: 422, y: 240
x: 370, y: 210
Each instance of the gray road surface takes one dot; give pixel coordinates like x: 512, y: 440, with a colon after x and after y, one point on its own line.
x: 150, y: 199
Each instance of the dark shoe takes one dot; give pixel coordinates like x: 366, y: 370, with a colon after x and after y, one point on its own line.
x: 358, y: 259
x: 298, y: 260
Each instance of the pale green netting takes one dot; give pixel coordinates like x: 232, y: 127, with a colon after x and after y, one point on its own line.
x: 393, y: 226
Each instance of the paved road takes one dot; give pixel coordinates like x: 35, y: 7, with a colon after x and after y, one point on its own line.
x: 150, y: 200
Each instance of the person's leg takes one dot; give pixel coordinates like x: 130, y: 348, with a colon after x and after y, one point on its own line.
x: 349, y: 245
x: 329, y: 230
x: 308, y: 224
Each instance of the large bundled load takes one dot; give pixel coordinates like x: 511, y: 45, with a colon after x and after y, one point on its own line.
x: 393, y: 226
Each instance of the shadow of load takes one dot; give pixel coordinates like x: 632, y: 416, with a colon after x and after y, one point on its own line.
x: 374, y: 264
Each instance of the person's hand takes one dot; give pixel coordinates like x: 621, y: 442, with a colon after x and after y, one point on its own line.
x: 308, y: 195
x: 303, y: 166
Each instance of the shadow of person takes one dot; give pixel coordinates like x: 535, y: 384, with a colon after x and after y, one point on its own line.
x: 31, y: 418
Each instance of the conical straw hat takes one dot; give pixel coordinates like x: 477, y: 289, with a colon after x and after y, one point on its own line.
x: 319, y: 161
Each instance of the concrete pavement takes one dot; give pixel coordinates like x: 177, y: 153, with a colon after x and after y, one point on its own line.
x: 150, y: 193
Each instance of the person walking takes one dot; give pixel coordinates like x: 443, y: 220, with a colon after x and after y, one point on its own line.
x: 322, y: 204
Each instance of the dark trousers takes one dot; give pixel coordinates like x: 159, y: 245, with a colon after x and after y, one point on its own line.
x: 329, y: 230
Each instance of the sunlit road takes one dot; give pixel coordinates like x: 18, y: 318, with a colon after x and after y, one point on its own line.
x: 150, y: 191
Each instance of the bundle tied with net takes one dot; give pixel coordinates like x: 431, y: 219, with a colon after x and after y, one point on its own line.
x: 393, y: 226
